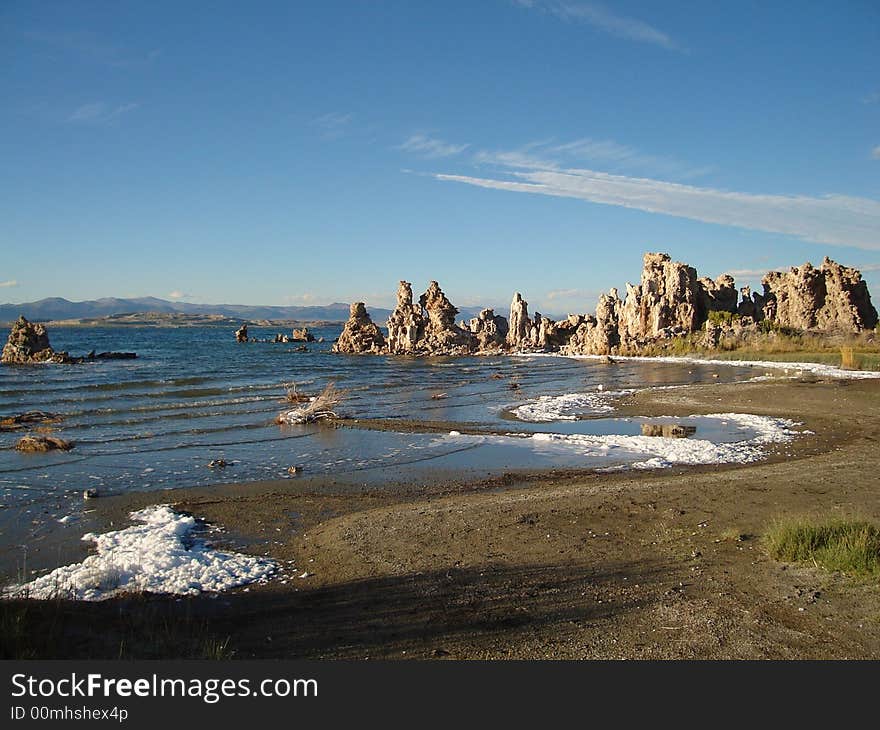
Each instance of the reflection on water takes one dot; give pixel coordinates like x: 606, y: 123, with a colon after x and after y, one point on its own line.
x: 668, y: 430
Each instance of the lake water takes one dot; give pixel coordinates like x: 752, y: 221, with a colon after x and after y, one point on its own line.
x: 194, y: 395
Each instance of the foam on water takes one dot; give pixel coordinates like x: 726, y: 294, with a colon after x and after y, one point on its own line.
x: 567, y: 407
x: 160, y: 555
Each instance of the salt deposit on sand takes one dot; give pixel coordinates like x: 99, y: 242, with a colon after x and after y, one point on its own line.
x: 653, y: 452
x: 665, y: 452
x: 160, y: 555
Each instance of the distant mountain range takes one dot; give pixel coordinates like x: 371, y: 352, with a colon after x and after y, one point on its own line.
x: 55, y: 308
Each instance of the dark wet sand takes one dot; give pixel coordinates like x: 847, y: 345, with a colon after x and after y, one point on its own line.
x: 544, y: 565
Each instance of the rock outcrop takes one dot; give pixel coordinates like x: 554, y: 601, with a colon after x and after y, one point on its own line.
x: 669, y: 297
x: 490, y: 329
x: 550, y: 335
x: 599, y: 335
x: 751, y: 305
x: 669, y: 302
x: 442, y: 334
x: 830, y: 298
x: 241, y: 334
x: 719, y: 295
x: 360, y: 334
x: 406, y: 325
x: 33, y: 443
x: 29, y: 343
x: 428, y: 328
x: 302, y: 335
x: 519, y: 332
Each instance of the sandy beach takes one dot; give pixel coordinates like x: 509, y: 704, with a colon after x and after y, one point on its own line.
x: 636, y: 564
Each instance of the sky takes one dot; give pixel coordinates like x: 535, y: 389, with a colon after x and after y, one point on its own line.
x: 312, y: 152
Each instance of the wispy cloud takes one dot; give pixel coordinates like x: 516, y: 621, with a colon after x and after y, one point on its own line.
x: 177, y: 295
x: 552, y: 155
x: 306, y: 299
x: 875, y: 153
x: 748, y: 273
x: 601, y: 18
x: 100, y: 112
x: 92, y: 47
x: 8, y: 284
x: 431, y: 148
x: 562, y: 301
x: 333, y: 125
x: 872, y: 98
x: 568, y: 294
x: 837, y: 220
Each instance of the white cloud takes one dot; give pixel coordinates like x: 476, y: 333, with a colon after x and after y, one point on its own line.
x: 177, y: 294
x: 431, y: 148
x: 100, y: 112
x: 550, y: 155
x: 838, y: 220
x: 875, y: 153
x: 568, y: 294
x: 605, y: 20
x: 8, y: 284
x: 306, y: 299
x: 750, y: 273
x: 566, y: 301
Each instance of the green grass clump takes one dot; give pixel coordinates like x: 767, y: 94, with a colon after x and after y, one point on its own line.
x: 852, y: 547
x: 721, y: 317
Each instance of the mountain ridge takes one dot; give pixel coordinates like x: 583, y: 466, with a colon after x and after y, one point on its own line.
x: 58, y: 308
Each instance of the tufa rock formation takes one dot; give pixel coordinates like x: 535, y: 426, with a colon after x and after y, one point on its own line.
x: 41, y: 444
x: 670, y: 301
x: 29, y: 343
x: 550, y: 335
x: 490, y: 330
x: 241, y: 334
x: 519, y: 332
x: 719, y: 295
x: 360, y: 334
x: 406, y: 325
x: 429, y: 328
x: 442, y: 334
x: 599, y: 335
x: 302, y: 335
x: 670, y: 297
x: 830, y: 298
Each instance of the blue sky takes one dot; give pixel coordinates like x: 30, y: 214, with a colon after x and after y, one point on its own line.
x: 303, y: 153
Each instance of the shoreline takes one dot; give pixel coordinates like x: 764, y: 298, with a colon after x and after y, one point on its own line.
x: 479, y: 548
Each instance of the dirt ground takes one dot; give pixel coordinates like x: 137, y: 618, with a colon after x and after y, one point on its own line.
x: 647, y: 565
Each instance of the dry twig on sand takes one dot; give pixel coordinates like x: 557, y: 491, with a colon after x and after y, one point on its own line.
x: 320, y: 408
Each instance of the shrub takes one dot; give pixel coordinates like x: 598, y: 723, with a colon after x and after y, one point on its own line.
x: 721, y: 317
